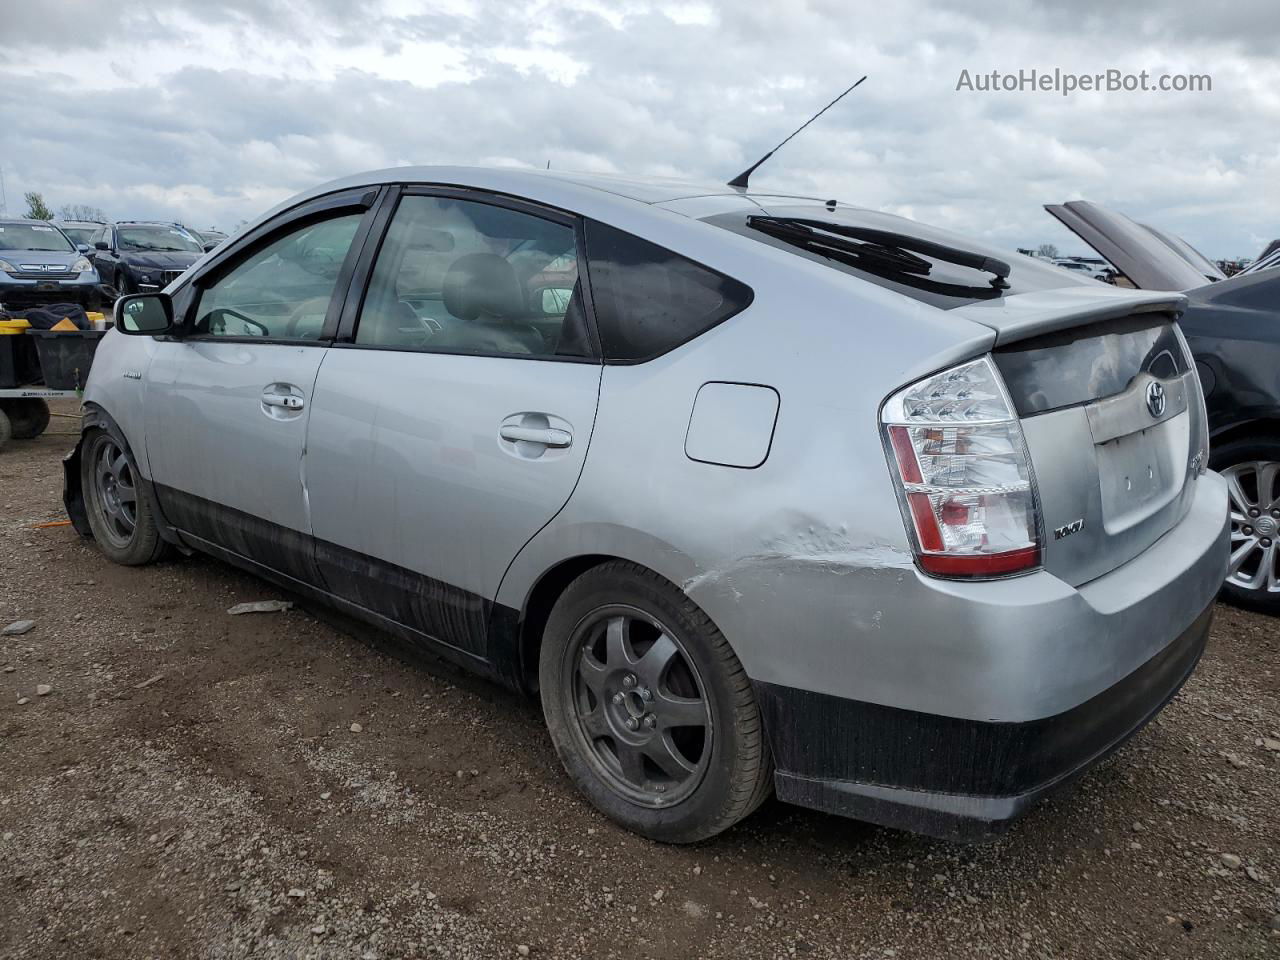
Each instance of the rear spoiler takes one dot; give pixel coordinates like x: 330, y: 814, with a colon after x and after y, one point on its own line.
x: 1031, y: 314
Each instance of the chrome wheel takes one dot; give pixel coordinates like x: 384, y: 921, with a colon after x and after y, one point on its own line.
x: 638, y: 706
x: 115, y: 493
x: 1254, y: 487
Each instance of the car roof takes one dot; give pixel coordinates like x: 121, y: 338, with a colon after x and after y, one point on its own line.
x: 16, y: 221
x: 566, y: 189
x: 652, y: 190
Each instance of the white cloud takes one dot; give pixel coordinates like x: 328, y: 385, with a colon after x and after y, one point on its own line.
x: 212, y: 112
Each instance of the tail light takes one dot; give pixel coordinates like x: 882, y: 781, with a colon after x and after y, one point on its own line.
x: 1200, y: 459
x: 964, y: 478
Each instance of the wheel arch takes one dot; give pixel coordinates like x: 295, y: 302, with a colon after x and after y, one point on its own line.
x: 1258, y: 428
x: 95, y: 416
x: 535, y: 612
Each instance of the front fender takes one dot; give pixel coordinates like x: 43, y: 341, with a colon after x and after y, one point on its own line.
x: 73, y: 489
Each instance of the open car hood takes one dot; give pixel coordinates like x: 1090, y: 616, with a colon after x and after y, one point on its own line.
x: 1142, y: 255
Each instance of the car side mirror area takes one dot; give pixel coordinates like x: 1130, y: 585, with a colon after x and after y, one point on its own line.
x: 83, y: 247
x: 145, y: 314
x: 208, y: 247
x: 101, y: 245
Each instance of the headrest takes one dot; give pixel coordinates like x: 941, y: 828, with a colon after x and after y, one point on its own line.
x: 482, y: 283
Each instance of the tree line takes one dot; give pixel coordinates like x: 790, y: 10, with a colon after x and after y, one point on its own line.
x: 37, y: 209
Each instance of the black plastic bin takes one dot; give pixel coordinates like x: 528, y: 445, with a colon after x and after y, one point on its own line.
x: 66, y: 356
x: 19, y: 363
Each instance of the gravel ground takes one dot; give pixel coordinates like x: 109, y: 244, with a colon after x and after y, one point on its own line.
x: 193, y: 784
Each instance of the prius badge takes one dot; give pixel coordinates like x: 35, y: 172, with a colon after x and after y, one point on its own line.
x: 1155, y: 399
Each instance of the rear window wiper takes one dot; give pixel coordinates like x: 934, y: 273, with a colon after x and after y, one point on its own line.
x: 878, y: 251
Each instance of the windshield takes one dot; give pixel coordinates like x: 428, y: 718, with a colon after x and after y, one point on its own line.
x: 80, y: 234
x: 946, y: 285
x: 33, y: 236
x: 157, y: 239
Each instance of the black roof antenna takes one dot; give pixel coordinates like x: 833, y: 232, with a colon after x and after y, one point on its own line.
x: 740, y: 181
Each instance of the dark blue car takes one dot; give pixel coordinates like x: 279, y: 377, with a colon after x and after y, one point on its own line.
x: 137, y: 256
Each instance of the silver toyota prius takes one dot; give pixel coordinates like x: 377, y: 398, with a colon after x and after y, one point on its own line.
x: 757, y: 493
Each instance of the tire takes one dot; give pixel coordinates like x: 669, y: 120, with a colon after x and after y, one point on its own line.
x: 29, y: 417
x: 118, y: 506
x: 6, y: 430
x: 1251, y: 467
x: 622, y: 645
x: 121, y: 284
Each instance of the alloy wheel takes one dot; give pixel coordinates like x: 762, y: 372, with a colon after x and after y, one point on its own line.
x: 116, y: 491
x: 1254, y: 488
x: 638, y: 705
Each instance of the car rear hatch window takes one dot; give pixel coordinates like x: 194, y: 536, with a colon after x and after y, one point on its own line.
x: 924, y: 263
x: 1115, y: 428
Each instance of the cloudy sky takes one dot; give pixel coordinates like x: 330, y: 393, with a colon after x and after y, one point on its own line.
x: 211, y: 111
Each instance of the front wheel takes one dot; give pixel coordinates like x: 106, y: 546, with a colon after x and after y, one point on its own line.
x: 649, y: 709
x: 119, y: 512
x: 1251, y: 468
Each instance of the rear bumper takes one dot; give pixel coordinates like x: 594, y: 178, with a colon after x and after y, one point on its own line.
x: 950, y: 777
x: 966, y: 702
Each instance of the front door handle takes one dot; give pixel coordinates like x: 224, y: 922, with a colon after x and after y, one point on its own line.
x: 289, y: 403
x: 547, y: 436
x: 282, y: 401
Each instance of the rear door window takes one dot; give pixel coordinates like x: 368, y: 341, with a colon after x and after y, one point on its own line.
x: 648, y: 299
x: 463, y: 276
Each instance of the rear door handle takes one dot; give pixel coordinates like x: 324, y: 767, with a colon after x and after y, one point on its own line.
x: 547, y: 436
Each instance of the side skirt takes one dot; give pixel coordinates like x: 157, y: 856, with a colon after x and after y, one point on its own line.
x: 419, y: 640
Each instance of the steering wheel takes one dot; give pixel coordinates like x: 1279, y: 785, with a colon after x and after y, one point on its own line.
x: 247, y: 321
x: 307, y: 308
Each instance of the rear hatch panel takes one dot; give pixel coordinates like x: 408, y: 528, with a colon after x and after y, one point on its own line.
x: 1112, y: 416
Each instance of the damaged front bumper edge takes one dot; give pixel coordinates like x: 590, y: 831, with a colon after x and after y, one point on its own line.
x: 72, y: 494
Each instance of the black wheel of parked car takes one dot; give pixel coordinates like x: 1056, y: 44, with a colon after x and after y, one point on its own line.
x: 119, y: 511
x: 1252, y: 470
x: 28, y: 416
x: 649, y: 708
x: 121, y: 283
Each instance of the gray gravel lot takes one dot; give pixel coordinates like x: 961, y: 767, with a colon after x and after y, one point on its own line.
x: 192, y: 785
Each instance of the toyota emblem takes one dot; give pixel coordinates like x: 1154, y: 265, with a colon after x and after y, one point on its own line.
x: 1155, y: 399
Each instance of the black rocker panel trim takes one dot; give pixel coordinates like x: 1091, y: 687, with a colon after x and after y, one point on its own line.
x: 443, y: 618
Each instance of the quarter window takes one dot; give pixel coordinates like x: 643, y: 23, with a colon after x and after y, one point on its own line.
x: 649, y: 300
x: 459, y: 276
x: 283, y: 290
